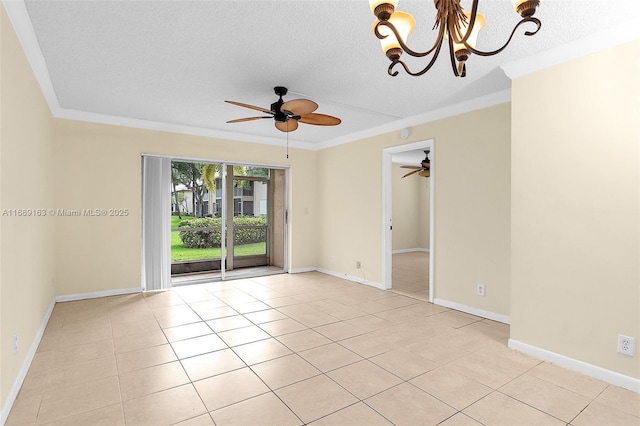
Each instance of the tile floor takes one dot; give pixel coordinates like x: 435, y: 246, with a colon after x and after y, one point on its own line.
x: 410, y: 274
x: 291, y: 350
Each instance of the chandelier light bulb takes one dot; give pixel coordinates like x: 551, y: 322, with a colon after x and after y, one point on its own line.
x: 525, y: 7
x: 404, y: 24
x: 375, y: 3
x: 473, y: 37
x: 383, y: 8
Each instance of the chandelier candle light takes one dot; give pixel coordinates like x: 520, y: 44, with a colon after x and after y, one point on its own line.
x: 460, y: 29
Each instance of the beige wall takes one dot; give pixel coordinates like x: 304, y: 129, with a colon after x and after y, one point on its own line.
x: 26, y: 170
x: 350, y: 197
x: 576, y: 208
x: 99, y: 166
x: 472, y: 215
x: 472, y: 202
x: 410, y: 222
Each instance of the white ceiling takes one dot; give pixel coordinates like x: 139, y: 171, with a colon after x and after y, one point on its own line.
x: 173, y: 63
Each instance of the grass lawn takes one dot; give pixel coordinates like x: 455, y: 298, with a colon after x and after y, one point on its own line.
x: 181, y: 253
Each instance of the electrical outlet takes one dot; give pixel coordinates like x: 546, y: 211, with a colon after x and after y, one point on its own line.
x: 480, y: 289
x: 626, y: 345
x: 15, y: 343
x: 332, y: 258
x: 358, y: 264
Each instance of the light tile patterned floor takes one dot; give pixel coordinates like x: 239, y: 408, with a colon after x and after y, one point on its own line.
x: 291, y: 350
x: 410, y: 274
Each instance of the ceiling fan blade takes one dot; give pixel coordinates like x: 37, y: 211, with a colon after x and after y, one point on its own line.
x: 266, y: 111
x: 240, y: 120
x: 425, y: 173
x: 410, y: 173
x: 320, y: 120
x: 299, y: 106
x: 287, y: 126
x: 410, y: 167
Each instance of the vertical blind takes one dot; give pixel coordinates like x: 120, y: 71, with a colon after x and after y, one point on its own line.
x: 156, y: 223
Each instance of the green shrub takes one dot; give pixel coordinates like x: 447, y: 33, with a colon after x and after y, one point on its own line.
x: 209, y: 238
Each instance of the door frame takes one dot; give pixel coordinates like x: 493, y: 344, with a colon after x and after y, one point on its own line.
x: 387, y: 201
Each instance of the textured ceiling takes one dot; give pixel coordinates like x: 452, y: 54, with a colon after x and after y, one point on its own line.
x: 175, y: 62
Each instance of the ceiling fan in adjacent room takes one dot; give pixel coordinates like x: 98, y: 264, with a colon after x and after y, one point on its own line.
x: 288, y: 114
x: 424, y: 169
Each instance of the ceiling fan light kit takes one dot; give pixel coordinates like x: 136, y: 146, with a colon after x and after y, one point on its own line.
x: 288, y: 114
x: 459, y: 28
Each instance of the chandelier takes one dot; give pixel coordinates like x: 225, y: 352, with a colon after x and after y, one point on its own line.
x: 458, y: 27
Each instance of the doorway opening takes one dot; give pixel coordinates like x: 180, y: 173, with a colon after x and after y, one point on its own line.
x: 228, y: 221
x: 408, y: 222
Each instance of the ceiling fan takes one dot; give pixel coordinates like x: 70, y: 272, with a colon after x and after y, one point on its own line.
x: 287, y: 114
x: 423, y: 170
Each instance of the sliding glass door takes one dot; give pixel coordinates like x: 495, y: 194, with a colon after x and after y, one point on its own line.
x: 227, y: 221
x: 196, y: 223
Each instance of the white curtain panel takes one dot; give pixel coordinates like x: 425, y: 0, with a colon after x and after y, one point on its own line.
x: 156, y: 223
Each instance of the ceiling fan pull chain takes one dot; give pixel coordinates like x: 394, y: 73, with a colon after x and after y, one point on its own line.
x: 287, y: 139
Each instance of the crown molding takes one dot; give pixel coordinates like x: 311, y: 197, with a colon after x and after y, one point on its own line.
x: 486, y: 101
x: 19, y: 18
x: 574, y: 50
x: 70, y: 114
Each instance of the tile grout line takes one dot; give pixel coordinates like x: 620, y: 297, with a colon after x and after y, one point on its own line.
x: 115, y: 358
x: 316, y: 305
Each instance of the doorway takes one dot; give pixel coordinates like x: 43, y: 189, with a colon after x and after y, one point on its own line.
x: 227, y: 221
x: 408, y: 267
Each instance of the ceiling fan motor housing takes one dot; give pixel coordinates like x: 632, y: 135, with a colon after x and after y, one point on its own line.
x: 275, y: 107
x: 279, y: 115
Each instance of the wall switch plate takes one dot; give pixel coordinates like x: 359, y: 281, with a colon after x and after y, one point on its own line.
x: 626, y: 345
x: 480, y: 290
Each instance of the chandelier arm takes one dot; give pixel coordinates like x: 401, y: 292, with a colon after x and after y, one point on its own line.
x: 495, y: 52
x: 453, y: 58
x: 472, y: 21
x: 419, y: 73
x: 393, y: 64
x: 402, y: 44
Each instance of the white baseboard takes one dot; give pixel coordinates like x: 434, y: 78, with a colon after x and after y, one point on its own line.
x: 594, y: 371
x: 473, y: 311
x: 302, y: 270
x: 355, y: 279
x: 94, y: 294
x: 410, y: 250
x: 359, y: 280
x: 17, y: 383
